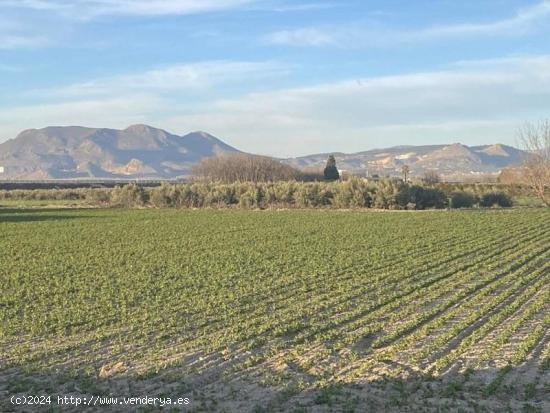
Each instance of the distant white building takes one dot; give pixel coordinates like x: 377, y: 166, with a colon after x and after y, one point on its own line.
x: 344, y: 174
x: 2, y: 170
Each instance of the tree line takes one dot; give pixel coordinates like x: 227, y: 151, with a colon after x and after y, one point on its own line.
x: 243, y: 167
x: 387, y: 193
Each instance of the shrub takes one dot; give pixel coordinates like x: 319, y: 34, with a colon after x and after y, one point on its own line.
x: 313, y: 194
x: 418, y: 197
x: 162, y: 196
x: 252, y: 198
x: 461, y: 199
x: 98, y: 196
x: 386, y: 194
x: 280, y: 193
x: 128, y: 196
x: 353, y: 193
x: 492, y: 199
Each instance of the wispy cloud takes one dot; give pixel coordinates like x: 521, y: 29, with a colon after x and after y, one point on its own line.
x: 112, y: 112
x: 55, y: 16
x: 475, y: 103
x: 302, y: 37
x: 296, y: 6
x: 92, y: 8
x: 376, y: 35
x: 149, y: 95
x: 522, y: 21
x: 39, y: 22
x: 472, y: 102
x: 14, y: 36
x: 14, y: 41
x: 162, y: 7
x: 191, y: 77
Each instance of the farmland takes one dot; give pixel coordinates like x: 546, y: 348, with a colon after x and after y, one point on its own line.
x: 279, y: 310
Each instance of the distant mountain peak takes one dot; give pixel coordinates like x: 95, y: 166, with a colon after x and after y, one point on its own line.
x: 454, y: 150
x: 453, y: 161
x: 139, y: 151
x: 201, y: 134
x: 140, y: 126
x: 496, y: 150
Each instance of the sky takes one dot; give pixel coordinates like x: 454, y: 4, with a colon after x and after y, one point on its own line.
x: 280, y: 77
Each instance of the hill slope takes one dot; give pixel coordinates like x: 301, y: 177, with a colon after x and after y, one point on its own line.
x: 139, y: 151
x: 454, y: 160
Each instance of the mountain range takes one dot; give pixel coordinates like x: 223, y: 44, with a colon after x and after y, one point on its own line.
x: 453, y: 162
x: 141, y: 151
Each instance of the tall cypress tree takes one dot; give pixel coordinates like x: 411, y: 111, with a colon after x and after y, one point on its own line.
x: 331, y: 171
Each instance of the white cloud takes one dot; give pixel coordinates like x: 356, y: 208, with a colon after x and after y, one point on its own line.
x: 160, y: 7
x: 471, y: 102
x: 301, y: 37
x: 13, y: 36
x: 520, y: 22
x: 370, y: 35
x: 117, y: 112
x: 14, y: 41
x: 477, y: 104
x: 131, y: 98
x: 92, y: 8
x: 290, y: 7
x: 35, y: 23
x: 183, y: 77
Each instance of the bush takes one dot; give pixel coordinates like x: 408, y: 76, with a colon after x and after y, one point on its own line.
x: 387, y: 192
x: 98, y: 196
x: 353, y: 193
x: 492, y: 199
x: 313, y: 195
x: 253, y: 197
x: 280, y: 193
x: 419, y: 197
x: 129, y: 196
x: 162, y: 196
x: 461, y: 199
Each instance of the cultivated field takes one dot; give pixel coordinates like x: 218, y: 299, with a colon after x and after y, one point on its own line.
x: 320, y: 311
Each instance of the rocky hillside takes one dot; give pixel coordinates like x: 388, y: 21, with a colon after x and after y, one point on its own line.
x: 454, y: 161
x: 139, y: 151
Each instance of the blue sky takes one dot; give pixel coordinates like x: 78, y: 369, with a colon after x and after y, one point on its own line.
x: 279, y: 77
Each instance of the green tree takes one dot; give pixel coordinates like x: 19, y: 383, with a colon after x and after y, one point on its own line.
x: 331, y: 171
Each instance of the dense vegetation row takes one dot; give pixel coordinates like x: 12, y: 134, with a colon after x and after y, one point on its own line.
x: 352, y: 193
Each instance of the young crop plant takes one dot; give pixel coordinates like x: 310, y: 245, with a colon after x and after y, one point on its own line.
x: 278, y: 310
